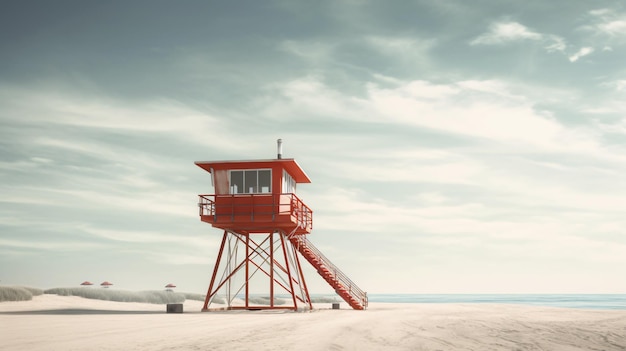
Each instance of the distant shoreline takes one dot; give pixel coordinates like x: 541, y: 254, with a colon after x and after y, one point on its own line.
x: 576, y: 301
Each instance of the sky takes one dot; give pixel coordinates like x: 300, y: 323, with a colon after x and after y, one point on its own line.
x: 453, y: 146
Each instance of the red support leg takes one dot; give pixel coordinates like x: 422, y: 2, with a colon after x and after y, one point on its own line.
x: 303, y: 282
x: 247, y: 304
x: 271, y: 270
x: 292, y: 292
x: 262, y: 257
x: 209, y: 293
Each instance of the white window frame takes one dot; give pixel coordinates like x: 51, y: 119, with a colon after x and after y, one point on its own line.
x: 289, y: 184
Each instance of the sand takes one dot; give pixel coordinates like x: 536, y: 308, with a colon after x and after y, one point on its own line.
x: 51, y: 322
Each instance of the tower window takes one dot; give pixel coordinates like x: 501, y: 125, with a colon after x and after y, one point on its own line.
x: 289, y: 185
x: 251, y: 181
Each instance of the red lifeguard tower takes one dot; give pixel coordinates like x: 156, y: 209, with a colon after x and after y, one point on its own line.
x: 265, y: 226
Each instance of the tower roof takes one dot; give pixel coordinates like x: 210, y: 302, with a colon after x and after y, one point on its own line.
x: 288, y: 164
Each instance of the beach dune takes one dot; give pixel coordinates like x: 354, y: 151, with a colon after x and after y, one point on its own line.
x: 51, y: 322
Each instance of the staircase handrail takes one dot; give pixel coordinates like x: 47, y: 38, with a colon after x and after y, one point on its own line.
x: 354, y: 290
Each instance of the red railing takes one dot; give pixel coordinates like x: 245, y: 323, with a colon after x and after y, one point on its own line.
x: 256, y: 207
x: 356, y: 297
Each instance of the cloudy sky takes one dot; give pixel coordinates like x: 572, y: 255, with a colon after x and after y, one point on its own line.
x: 454, y: 146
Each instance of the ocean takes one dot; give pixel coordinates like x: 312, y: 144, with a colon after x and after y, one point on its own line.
x: 583, y: 301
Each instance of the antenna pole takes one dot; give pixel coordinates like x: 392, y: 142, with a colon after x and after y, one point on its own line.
x: 279, y: 145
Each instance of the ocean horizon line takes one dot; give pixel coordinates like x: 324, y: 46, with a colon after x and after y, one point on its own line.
x: 586, y: 301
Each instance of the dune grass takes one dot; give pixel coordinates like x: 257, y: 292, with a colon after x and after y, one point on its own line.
x: 193, y: 296
x: 154, y: 297
x: 262, y: 300
x: 18, y: 293
x: 201, y: 297
x: 265, y: 300
x: 324, y: 299
x: 22, y: 293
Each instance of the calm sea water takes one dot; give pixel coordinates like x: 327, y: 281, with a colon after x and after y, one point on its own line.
x: 585, y: 301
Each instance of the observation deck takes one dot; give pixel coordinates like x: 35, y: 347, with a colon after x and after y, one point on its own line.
x: 256, y: 213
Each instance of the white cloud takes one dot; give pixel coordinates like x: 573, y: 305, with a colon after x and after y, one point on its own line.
x: 476, y: 109
x: 449, y: 170
x: 411, y: 47
x: 620, y: 85
x: 81, y: 110
x: 314, y: 51
x: 608, y: 22
x: 616, y: 28
x: 486, y: 110
x: 117, y: 236
x: 580, y: 53
x: 550, y: 196
x: 491, y: 87
x: 618, y: 127
x: 53, y: 244
x: 617, y: 85
x: 600, y: 12
x: 503, y: 32
x: 555, y: 44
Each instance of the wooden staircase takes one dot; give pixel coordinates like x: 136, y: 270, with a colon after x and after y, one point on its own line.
x: 344, y: 287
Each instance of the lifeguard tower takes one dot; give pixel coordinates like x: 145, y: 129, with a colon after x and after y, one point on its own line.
x: 265, y: 226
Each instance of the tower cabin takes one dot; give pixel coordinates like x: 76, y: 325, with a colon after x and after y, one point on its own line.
x: 256, y: 196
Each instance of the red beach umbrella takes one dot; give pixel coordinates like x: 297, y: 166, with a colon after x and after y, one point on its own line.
x: 86, y: 283
x: 170, y: 285
x: 106, y: 284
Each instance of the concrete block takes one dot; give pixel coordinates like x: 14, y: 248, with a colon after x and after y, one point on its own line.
x: 174, y: 308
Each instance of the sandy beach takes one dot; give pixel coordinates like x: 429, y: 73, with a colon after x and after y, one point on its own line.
x: 51, y: 322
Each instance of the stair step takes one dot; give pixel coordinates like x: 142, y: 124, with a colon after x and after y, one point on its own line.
x: 326, y: 269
